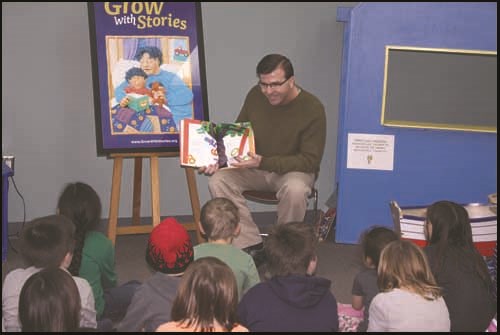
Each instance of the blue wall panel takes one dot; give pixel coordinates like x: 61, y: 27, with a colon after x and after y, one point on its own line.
x: 429, y: 165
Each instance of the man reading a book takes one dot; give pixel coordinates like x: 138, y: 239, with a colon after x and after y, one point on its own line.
x: 289, y: 124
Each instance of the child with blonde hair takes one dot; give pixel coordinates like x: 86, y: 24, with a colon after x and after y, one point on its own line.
x: 220, y: 222
x: 409, y: 298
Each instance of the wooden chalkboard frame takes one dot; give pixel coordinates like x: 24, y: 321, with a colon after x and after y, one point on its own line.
x: 421, y: 113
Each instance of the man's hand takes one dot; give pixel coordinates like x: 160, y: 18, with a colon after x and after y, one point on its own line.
x: 252, y: 162
x: 208, y: 170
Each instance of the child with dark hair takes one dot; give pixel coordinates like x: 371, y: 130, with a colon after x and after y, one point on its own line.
x: 169, y: 252
x: 409, y: 298
x: 94, y: 254
x: 293, y: 299
x: 134, y: 108
x: 364, y: 286
x: 46, y: 242
x: 136, y: 77
x: 206, y: 301
x: 50, y: 302
x: 458, y: 267
x: 220, y: 222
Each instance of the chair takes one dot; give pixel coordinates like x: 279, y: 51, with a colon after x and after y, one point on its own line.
x: 269, y: 198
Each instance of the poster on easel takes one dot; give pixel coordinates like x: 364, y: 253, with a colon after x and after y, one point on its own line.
x: 148, y: 73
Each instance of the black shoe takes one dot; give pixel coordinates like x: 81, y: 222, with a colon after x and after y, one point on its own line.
x: 259, y: 257
x: 251, y: 250
x: 257, y: 252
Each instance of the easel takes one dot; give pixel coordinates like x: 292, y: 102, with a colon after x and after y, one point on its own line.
x: 136, y: 227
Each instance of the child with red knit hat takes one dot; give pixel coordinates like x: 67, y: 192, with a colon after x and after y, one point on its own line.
x: 168, y: 253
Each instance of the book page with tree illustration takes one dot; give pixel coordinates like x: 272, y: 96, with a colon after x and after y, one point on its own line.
x: 204, y: 143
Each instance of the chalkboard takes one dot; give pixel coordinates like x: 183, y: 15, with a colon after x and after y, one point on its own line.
x: 440, y: 89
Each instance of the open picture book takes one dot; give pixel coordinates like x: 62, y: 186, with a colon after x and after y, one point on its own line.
x: 204, y: 143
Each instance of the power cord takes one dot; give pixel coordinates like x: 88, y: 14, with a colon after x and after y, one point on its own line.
x: 24, y: 214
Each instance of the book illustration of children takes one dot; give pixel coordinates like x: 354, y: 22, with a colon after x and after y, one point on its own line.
x: 138, y: 94
x: 133, y: 108
x: 178, y: 93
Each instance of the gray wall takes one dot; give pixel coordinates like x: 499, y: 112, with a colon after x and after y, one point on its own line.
x: 47, y: 94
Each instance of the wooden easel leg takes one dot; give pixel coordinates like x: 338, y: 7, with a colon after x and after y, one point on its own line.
x: 195, y: 202
x: 136, y: 201
x: 115, y: 198
x: 155, y: 190
x: 136, y: 227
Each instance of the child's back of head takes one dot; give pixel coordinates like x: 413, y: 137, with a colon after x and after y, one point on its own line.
x: 81, y: 204
x: 404, y: 265
x: 409, y: 298
x: 46, y: 241
x: 365, y: 287
x: 293, y: 299
x: 49, y: 302
x: 169, y: 248
x: 219, y: 219
x: 448, y: 229
x: 450, y: 225
x: 208, y: 293
x: 290, y: 248
x: 373, y: 241
x: 458, y: 266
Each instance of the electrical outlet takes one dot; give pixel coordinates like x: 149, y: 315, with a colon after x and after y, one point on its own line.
x: 9, y: 161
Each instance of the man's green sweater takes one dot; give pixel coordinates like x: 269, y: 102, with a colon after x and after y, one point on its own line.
x: 289, y: 137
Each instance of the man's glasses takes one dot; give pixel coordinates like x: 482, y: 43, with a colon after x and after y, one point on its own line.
x: 272, y: 85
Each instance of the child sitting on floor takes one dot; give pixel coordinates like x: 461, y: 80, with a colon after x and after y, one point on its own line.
x: 45, y: 242
x: 50, y: 302
x: 409, y: 298
x: 219, y: 221
x: 364, y: 286
x: 94, y: 254
x: 458, y: 267
x: 293, y: 299
x: 206, y: 301
x: 169, y: 252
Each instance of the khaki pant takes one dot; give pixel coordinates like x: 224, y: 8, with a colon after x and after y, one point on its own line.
x: 292, y: 190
